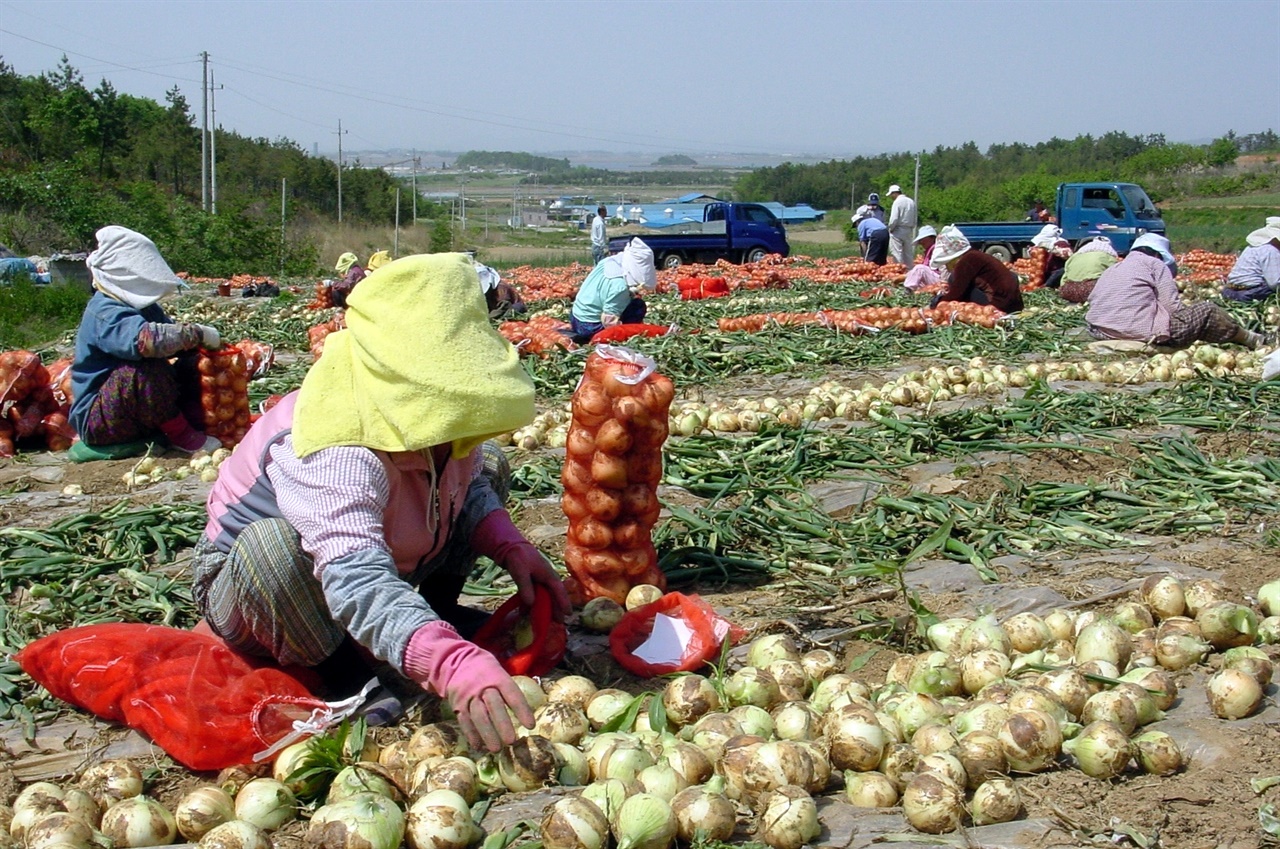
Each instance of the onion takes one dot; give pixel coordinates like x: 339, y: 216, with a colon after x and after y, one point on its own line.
x: 561, y: 722
x: 1269, y: 598
x: 440, y: 820
x: 1165, y: 596
x: 642, y: 594
x: 1248, y: 659
x: 459, y: 774
x: 1144, y: 703
x: 1179, y: 625
x: 533, y: 692
x: 1132, y: 616
x: 1027, y: 632
x: 1178, y: 651
x: 288, y: 761
x: 796, y: 721
x: 898, y: 764
x: 855, y: 742
x: 945, y: 765
x: 933, y: 737
x: 1037, y: 698
x: 1111, y: 706
x: 601, y: 614
x: 915, y: 710
x: 946, y: 634
x: 981, y: 668
x: 995, y: 801
x: 1269, y: 630
x: 266, y: 803
x: 623, y: 760
x: 869, y: 790
x: 573, y: 822
x: 364, y: 777
x: 1233, y: 694
x: 32, y: 804
x: 704, y: 814
x: 688, y: 697
x: 574, y: 770
x: 754, y: 720
x: 236, y: 834
x: 819, y: 664
x: 363, y: 821
x: 790, y: 674
x: 933, y: 804
x: 1103, y: 640
x: 820, y: 764
x: 141, y: 821
x: 982, y: 757
x: 789, y: 819
x: 607, y: 795
x: 59, y: 829
x: 201, y: 810
x: 765, y: 650
x: 752, y: 686
x: 661, y: 780
x: 933, y: 674
x: 574, y: 689
x: 437, y: 740
x: 711, y: 732
x: 396, y: 758
x: 1101, y: 750
x: 1200, y: 594
x: 1226, y: 624
x: 984, y: 633
x: 1031, y: 740
x: 645, y: 822
x: 528, y: 763
x: 987, y: 717
x: 1157, y: 753
x: 833, y: 685
x: 1061, y: 624
x: 1158, y: 683
x: 111, y: 781
x: 607, y: 705
x: 1068, y: 687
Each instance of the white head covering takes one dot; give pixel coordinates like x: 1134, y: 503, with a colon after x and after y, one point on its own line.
x: 1160, y: 245
x: 894, y: 188
x: 861, y: 213
x: 637, y: 266
x: 128, y: 267
x: 1048, y: 236
x: 489, y: 278
x: 950, y: 245
x: 925, y: 232
x: 1265, y: 234
x: 1100, y: 244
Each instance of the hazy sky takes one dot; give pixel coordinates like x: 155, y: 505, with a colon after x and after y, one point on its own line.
x: 697, y: 76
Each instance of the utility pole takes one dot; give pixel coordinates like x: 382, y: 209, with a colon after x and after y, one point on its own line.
x: 395, y: 246
x: 341, y: 133
x: 283, y: 183
x: 204, y: 132
x: 414, y: 181
x: 213, y: 149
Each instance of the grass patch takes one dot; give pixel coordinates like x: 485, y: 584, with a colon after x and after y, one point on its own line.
x: 1268, y: 201
x: 35, y: 317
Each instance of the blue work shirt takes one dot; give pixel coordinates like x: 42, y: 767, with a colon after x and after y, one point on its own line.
x: 604, y: 292
x: 108, y: 337
x: 867, y: 226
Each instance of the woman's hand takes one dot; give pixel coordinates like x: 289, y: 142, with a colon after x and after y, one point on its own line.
x: 210, y: 339
x: 609, y: 320
x: 528, y: 568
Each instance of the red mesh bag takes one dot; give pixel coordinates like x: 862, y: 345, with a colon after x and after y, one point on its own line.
x: 58, y: 432
x: 708, y: 630
x: 526, y: 641
x: 60, y: 383
x: 224, y: 393
x: 623, y: 332
x: 20, y: 373
x: 204, y: 704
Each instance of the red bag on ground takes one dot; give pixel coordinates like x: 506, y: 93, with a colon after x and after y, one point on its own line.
x: 201, y: 702
x: 623, y: 332
x: 708, y: 631
x: 525, y: 641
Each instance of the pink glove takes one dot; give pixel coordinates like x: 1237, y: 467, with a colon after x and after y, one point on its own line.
x: 501, y: 541
x: 474, y: 683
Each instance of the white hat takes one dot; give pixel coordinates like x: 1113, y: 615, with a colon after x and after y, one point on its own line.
x: 925, y: 232
x: 128, y: 267
x: 861, y: 213
x: 637, y: 265
x: 489, y: 278
x: 1263, y: 235
x: 1048, y: 236
x: 1157, y: 243
x: 950, y: 245
x: 894, y: 188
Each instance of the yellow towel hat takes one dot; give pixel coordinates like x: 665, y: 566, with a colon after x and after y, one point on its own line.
x: 345, y: 262
x: 377, y: 260
x: 418, y: 365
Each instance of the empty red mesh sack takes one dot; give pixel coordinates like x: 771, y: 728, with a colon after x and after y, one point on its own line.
x: 206, y: 705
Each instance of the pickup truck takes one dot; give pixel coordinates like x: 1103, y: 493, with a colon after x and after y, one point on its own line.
x: 1120, y: 211
x: 739, y: 232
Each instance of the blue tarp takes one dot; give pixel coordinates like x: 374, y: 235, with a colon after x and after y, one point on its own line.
x: 16, y: 266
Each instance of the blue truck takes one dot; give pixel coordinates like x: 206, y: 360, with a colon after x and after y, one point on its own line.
x: 1120, y: 211
x: 738, y: 232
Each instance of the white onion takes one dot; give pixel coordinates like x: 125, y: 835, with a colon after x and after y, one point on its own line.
x: 607, y: 705
x: 1164, y: 594
x: 1204, y: 592
x: 898, y: 765
x: 711, y: 732
x: 751, y: 685
x: 437, y: 740
x: 573, y: 822
x: 360, y: 778
x: 139, y: 821
x: 1226, y: 624
x: 790, y: 674
x: 1068, y: 687
x: 111, y: 781
x: 945, y: 765
x: 642, y: 594
x: 1031, y: 740
x: 574, y: 770
x: 661, y: 780
x: 688, y: 698
x: 981, y: 668
x: 607, y: 795
x: 754, y: 720
x: 266, y: 803
x: 946, y: 634
x: 855, y: 743
x: 1061, y: 624
x: 577, y: 690
x: 363, y: 821
x: 984, y: 633
x: 819, y: 664
x: 34, y: 803
x: 1102, y: 639
x: 1178, y: 651
x: 1269, y: 598
x: 1027, y: 632
x: 982, y: 757
x: 1113, y: 707
x: 561, y: 722
x: 789, y: 819
x: 933, y: 737
x: 440, y: 820
x: 645, y: 822
x: 1251, y: 660
x: 201, y: 810
x: 1157, y: 753
x: 933, y: 804
x: 765, y: 650
x: 995, y: 801
x: 687, y: 759
x: 601, y: 614
x: 533, y: 692
x: 869, y: 790
x: 1101, y: 750
x: 1233, y: 694
x: 1132, y: 616
x: 933, y: 674
x: 1157, y: 682
x: 459, y: 774
x: 59, y: 829
x: 528, y: 763
x: 236, y: 834
x: 987, y: 717
x: 704, y: 813
x: 796, y: 721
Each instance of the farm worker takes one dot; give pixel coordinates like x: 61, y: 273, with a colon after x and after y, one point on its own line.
x: 377, y: 260
x: 124, y: 386
x: 877, y: 211
x: 872, y: 235
x: 1057, y: 250
x: 924, y: 274
x: 976, y: 276
x: 1083, y: 268
x: 348, y: 266
x: 1256, y: 274
x: 342, y: 529
x: 500, y: 297
x: 599, y: 240
x: 1038, y: 212
x: 902, y: 227
x: 612, y: 292
x: 1137, y: 299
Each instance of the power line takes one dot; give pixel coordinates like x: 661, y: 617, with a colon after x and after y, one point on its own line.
x: 107, y: 62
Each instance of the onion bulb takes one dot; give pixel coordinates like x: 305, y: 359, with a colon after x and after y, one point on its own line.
x: 1031, y: 740
x: 704, y: 813
x: 607, y: 705
x: 1111, y: 706
x: 111, y: 781
x: 601, y: 614
x: 201, y: 810
x: 1165, y: 596
x: 457, y: 773
x: 661, y: 780
x: 528, y: 763
x: 1102, y: 639
x: 642, y: 594
x: 363, y: 821
x: 440, y: 820
x: 577, y: 690
x: 1027, y: 632
x: 688, y: 698
x: 869, y: 790
x: 1269, y: 598
x: 765, y: 650
x: 1178, y: 651
x: 945, y: 635
x: 819, y: 664
x: 266, y: 803
x: 982, y: 757
x: 139, y: 821
x: 608, y: 795
x: 1233, y: 694
x: 572, y: 822
x: 1251, y: 660
x: 364, y: 777
x: 236, y: 834
x: 995, y: 801
x: 645, y: 822
x: 751, y: 685
x: 561, y: 722
x: 1200, y: 594
x: 855, y: 742
x: 789, y: 818
x: 1101, y: 750
x: 1226, y: 624
x: 933, y: 804
x: 59, y: 829
x: 1157, y: 753
x: 436, y: 740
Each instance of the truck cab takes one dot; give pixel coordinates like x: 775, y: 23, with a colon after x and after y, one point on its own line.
x: 738, y: 232
x: 1120, y: 211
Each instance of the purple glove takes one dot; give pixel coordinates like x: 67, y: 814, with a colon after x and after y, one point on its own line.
x: 471, y: 679
x: 497, y: 538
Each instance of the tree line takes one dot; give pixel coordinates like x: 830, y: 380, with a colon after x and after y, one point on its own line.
x: 966, y: 184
